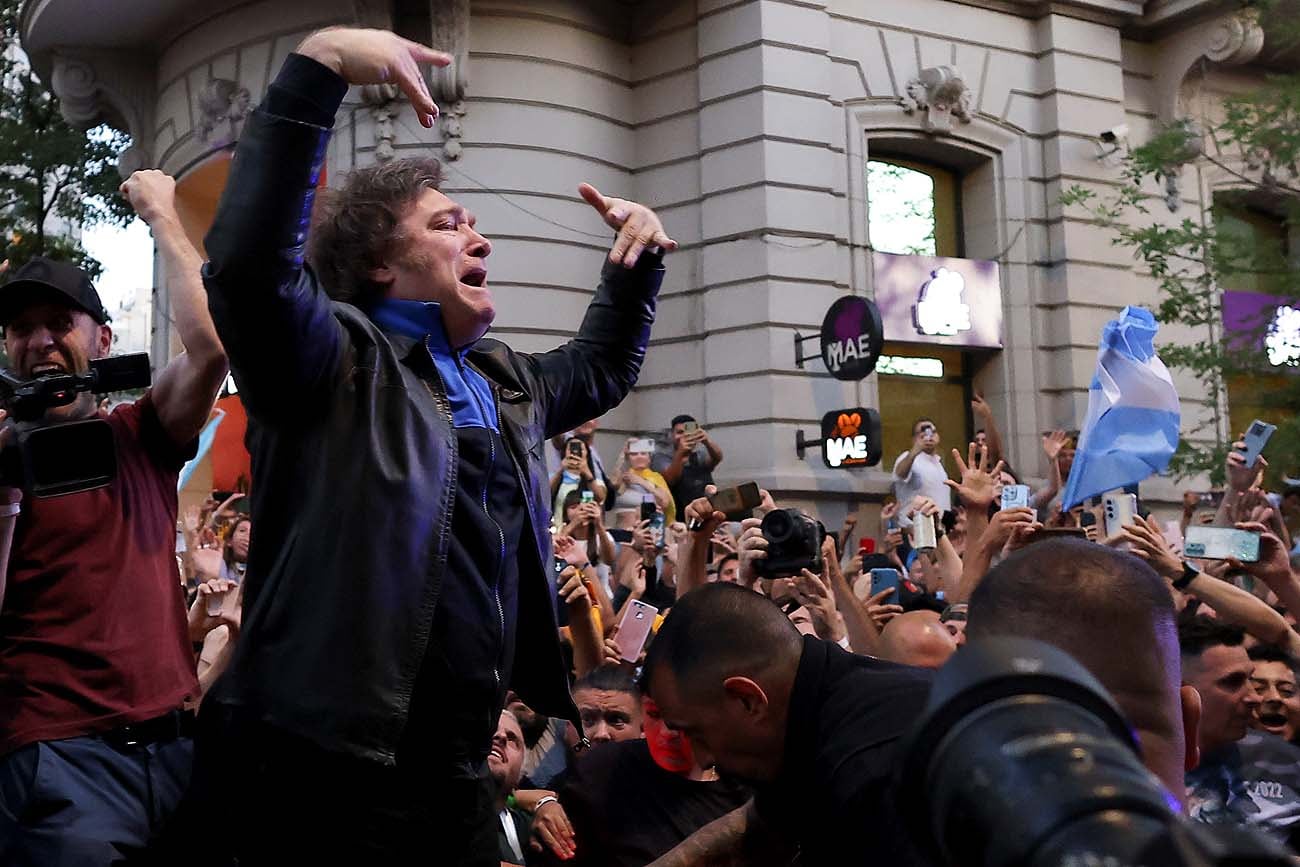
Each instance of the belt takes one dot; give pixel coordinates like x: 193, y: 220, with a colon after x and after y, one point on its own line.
x: 168, y: 727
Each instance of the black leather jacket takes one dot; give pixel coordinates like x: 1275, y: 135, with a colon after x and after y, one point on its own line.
x: 355, y: 457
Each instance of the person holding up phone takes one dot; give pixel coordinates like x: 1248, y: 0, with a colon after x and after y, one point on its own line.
x: 919, y: 470
x: 688, y: 465
x: 635, y: 483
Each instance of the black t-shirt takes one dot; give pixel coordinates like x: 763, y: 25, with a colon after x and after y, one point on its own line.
x: 626, y: 811
x: 848, y: 716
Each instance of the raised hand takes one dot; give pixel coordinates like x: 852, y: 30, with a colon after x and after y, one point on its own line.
x: 879, y: 612
x: 751, y: 548
x: 1241, y: 477
x: 701, y: 517
x: 1147, y: 542
x: 363, y: 56
x: 638, y: 227
x: 1053, y: 443
x: 151, y: 194
x: 977, y: 480
x: 568, y: 550
x: 1006, y: 525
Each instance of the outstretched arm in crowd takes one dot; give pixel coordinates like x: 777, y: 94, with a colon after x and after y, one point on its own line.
x: 584, y: 634
x: 1052, y: 445
x: 1273, y: 567
x: 1008, y: 527
x: 702, y: 521
x: 1230, y: 602
x: 979, y: 476
x: 864, y: 635
x: 984, y: 418
x: 740, y: 837
x: 186, y: 388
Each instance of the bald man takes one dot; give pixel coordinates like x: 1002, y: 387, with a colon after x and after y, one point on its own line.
x: 815, y: 730
x: 1114, y: 615
x: 917, y: 638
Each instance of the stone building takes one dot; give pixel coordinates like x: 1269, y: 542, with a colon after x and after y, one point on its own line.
x: 748, y: 124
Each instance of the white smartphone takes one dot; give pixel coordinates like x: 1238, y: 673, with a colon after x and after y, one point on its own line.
x: 1015, y: 497
x: 1118, y: 510
x: 641, y: 446
x: 1221, y: 543
x: 215, y: 602
x: 634, y: 629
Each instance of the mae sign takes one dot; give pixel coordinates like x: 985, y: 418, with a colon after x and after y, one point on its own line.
x: 939, y: 300
x: 851, y: 438
x: 851, y: 338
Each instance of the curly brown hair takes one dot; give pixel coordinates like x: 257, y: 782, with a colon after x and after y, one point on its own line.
x: 356, y: 228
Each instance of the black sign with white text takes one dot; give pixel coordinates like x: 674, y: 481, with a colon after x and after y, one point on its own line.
x: 851, y: 438
x: 851, y: 338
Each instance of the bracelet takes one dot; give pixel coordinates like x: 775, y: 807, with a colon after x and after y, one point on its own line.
x: 1189, y: 575
x: 544, y: 801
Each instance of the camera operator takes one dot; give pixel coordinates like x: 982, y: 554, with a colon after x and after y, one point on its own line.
x: 813, y: 728
x: 95, y: 659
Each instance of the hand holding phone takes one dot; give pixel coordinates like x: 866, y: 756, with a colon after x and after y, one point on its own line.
x: 1015, y: 496
x: 737, y: 503
x: 1256, y: 438
x: 1222, y: 543
x: 886, y: 579
x: 634, y: 629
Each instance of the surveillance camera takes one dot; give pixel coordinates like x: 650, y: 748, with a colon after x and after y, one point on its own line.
x: 1115, y: 134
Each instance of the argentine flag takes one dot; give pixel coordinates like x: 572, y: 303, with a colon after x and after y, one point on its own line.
x: 1131, y: 429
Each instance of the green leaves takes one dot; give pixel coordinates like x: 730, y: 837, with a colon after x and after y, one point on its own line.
x: 54, y: 179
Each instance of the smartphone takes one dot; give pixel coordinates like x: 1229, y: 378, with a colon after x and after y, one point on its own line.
x: 657, y: 527
x: 574, y: 447
x: 1087, y: 519
x: 1256, y: 438
x: 886, y: 579
x: 622, y: 537
x: 634, y: 629
x: 923, y: 535
x: 561, y: 608
x: 646, y: 446
x: 648, y: 509
x: 866, y: 546
x: 588, y: 497
x: 1220, y: 543
x: 736, y: 503
x: 215, y: 602
x: 1015, y: 497
x: 690, y: 427
x: 1118, y: 510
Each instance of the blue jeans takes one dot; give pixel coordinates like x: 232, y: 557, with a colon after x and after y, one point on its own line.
x: 84, y: 801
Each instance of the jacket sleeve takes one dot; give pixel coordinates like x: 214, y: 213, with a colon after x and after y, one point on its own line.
x: 284, y: 344
x: 593, y: 372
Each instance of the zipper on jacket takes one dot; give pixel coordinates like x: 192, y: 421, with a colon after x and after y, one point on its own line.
x: 501, y: 536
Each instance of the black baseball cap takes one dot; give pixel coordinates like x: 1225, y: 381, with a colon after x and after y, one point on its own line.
x: 61, y: 281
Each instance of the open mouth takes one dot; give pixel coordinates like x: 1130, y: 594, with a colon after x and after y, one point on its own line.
x: 47, y: 368
x: 1270, y: 720
x: 494, y: 752
x: 476, y: 277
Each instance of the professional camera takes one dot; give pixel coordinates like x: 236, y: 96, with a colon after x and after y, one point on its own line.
x: 49, y: 459
x: 794, y: 542
x: 1021, y: 759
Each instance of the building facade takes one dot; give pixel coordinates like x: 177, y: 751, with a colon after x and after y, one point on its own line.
x: 748, y: 125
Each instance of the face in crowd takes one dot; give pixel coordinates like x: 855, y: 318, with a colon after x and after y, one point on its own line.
x: 671, y: 750
x: 505, y: 760
x: 608, y: 715
x: 927, y: 434
x: 1221, y: 674
x: 239, y: 538
x: 729, y: 571
x: 48, y: 337
x: 1278, y: 711
x: 440, y: 257
x: 638, y: 460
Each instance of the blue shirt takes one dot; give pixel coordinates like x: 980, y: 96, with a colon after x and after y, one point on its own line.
x: 468, y: 392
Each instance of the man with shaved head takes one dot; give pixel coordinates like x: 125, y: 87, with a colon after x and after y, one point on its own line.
x: 814, y: 729
x: 1114, y: 615
x: 917, y: 638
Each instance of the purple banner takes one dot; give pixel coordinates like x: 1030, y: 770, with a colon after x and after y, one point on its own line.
x: 939, y: 300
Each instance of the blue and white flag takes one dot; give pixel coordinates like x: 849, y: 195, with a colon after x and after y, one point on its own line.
x: 1131, y: 429
x: 205, y: 443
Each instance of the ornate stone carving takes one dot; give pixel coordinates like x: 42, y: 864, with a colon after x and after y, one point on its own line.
x: 223, y: 105
x: 384, y: 105
x: 941, y: 94
x: 450, y: 33
x: 110, y: 87
x: 1236, y: 39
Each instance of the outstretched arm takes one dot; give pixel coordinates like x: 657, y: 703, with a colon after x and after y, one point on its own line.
x: 740, y: 837
x: 186, y: 388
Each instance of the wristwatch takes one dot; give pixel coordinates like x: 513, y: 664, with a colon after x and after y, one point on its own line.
x: 1190, y: 572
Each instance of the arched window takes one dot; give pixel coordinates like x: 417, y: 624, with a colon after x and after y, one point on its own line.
x: 912, y: 208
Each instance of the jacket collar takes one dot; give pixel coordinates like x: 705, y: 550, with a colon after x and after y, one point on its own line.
x: 408, y: 323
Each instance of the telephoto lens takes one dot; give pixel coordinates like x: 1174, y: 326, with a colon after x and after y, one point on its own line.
x: 1021, y: 759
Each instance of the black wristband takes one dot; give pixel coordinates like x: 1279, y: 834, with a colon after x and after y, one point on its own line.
x: 1189, y: 575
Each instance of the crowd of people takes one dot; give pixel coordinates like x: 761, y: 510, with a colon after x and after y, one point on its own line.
x: 460, y: 633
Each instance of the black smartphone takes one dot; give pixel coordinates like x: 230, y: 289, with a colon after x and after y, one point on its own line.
x: 574, y: 447
x: 648, y: 510
x: 737, y: 503
x: 1088, y: 519
x: 620, y: 536
x: 561, y: 608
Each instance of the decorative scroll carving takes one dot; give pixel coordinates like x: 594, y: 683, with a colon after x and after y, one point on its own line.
x: 941, y: 94
x: 1231, y: 40
x: 450, y: 33
x: 108, y: 87
x: 223, y: 105
x: 1236, y: 39
x: 384, y: 105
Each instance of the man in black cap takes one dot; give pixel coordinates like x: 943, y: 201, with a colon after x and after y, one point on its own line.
x: 95, y: 658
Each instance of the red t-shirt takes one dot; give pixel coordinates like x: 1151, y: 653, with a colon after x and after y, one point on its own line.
x: 93, y: 631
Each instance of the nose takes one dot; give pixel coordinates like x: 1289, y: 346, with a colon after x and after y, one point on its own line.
x: 1252, y: 700
x: 600, y: 733
x: 479, y: 246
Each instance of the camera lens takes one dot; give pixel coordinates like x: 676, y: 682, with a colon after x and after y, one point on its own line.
x: 778, y: 526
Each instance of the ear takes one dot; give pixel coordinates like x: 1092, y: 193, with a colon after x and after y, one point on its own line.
x: 104, y: 341
x: 1191, y: 702
x: 748, y: 694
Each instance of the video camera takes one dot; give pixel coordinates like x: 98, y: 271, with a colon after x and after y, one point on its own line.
x: 50, y: 459
x: 794, y: 542
x: 1021, y: 759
